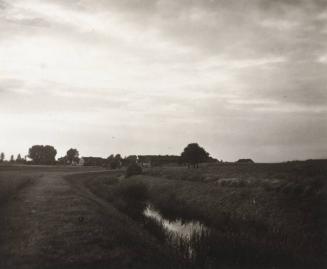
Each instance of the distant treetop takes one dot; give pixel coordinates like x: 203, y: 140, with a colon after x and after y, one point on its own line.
x: 42, y: 154
x: 245, y: 161
x: 193, y: 154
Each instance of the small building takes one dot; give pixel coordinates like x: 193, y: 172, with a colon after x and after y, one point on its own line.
x: 145, y: 161
x: 248, y: 161
x: 81, y: 162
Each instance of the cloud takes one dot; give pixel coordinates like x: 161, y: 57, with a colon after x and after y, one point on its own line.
x: 10, y: 84
x: 3, y: 5
x: 208, y: 71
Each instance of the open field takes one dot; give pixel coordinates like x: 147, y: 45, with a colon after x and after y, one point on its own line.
x: 260, y: 216
x: 280, y: 208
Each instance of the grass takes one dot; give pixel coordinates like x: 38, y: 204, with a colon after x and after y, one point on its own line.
x: 49, y: 210
x: 283, y: 205
x: 138, y: 246
x: 260, y: 215
x: 11, y: 183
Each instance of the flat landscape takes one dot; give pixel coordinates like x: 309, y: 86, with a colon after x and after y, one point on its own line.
x: 163, y: 134
x: 254, y: 216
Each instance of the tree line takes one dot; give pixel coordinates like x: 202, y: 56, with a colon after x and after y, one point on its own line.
x: 12, y: 158
x: 192, y: 155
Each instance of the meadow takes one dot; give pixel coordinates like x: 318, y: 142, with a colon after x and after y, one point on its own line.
x: 258, y: 215
x: 254, y: 216
x: 49, y: 222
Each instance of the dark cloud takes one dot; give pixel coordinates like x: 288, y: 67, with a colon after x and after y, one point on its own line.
x: 3, y: 5
x: 233, y: 28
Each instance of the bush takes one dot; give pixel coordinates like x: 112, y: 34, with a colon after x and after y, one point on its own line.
x: 133, y: 169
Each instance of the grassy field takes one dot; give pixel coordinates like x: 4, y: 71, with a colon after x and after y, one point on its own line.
x: 15, y: 177
x: 279, y: 206
x: 49, y: 222
x: 257, y: 216
x: 264, y: 215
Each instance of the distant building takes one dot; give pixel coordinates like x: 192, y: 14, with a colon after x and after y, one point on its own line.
x: 94, y: 161
x: 245, y: 161
x: 144, y: 161
x: 81, y: 162
x: 158, y: 160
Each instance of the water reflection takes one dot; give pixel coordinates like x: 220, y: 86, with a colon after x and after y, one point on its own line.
x: 179, y: 227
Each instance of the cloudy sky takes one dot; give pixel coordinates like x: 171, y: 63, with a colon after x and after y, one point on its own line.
x: 244, y: 79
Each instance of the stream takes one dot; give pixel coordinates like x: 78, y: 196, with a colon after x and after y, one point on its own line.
x: 178, y: 227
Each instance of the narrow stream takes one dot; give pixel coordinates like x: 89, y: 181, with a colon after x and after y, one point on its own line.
x: 178, y: 227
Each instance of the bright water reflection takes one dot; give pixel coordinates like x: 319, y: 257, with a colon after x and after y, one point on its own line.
x: 184, y: 229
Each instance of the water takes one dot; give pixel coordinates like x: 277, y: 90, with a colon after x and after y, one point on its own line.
x: 178, y: 227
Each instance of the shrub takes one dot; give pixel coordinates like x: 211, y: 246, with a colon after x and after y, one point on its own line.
x: 133, y: 169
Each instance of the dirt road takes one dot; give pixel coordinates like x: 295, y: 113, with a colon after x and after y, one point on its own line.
x: 50, y: 223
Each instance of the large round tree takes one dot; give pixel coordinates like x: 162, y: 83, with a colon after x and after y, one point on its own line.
x: 193, y: 154
x: 72, y: 155
x: 42, y: 154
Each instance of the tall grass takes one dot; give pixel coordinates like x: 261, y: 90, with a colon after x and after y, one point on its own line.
x: 210, y: 248
x: 272, y: 216
x: 131, y: 198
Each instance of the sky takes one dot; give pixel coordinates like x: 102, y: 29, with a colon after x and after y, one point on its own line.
x: 243, y: 78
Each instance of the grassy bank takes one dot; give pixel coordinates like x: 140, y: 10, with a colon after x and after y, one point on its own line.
x: 133, y: 245
x: 280, y: 206
x: 264, y: 215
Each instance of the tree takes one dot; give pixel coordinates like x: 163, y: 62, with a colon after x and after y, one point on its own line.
x: 35, y: 153
x: 193, y: 154
x: 117, y: 162
x: 42, y: 154
x: 2, y: 157
x: 12, y: 158
x: 114, y: 162
x: 110, y: 159
x: 19, y: 159
x: 49, y: 155
x: 72, y: 155
x: 129, y: 160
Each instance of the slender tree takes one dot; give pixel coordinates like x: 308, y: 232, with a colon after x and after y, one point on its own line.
x: 2, y: 157
x: 19, y: 159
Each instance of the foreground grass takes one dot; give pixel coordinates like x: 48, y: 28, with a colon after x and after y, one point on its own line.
x: 11, y: 183
x: 130, y: 242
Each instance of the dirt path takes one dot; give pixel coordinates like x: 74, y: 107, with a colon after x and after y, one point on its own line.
x: 49, y: 222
